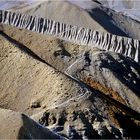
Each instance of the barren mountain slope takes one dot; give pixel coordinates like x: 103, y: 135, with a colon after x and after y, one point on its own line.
x: 128, y: 7
x: 58, y: 53
x: 127, y: 24
x: 75, y: 91
x: 31, y: 86
x: 111, y: 73
x: 16, y: 126
x: 88, y: 14
x: 70, y: 13
x: 65, y: 56
x: 27, y: 83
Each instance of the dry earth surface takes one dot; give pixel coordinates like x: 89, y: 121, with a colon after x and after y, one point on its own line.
x: 75, y: 91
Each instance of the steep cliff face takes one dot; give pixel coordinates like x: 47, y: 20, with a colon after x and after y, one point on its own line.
x: 126, y: 46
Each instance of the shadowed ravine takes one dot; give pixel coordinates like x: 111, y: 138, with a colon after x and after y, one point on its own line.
x: 106, y: 22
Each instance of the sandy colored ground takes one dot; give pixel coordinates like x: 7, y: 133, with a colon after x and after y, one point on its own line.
x: 28, y: 80
x: 19, y: 126
x: 75, y: 91
x: 31, y: 86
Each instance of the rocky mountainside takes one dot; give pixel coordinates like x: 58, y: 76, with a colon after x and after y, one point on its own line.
x: 18, y: 126
x: 129, y: 7
x: 82, y: 36
x: 66, y: 90
x: 65, y: 106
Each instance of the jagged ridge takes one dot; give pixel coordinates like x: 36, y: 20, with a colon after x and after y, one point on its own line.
x: 105, y: 41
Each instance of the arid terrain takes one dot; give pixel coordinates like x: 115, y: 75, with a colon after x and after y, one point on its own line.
x: 55, y: 89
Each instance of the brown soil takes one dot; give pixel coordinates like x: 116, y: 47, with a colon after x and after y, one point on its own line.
x: 105, y: 90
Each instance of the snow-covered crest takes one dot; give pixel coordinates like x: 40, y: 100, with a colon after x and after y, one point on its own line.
x: 83, y: 36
